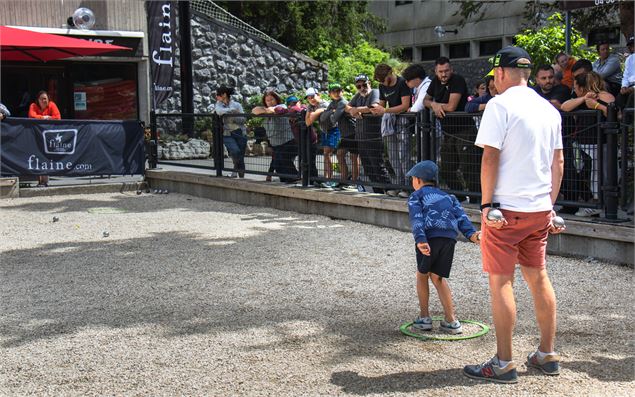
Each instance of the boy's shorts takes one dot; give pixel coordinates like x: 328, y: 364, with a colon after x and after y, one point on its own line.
x: 523, y: 240
x: 331, y: 138
x: 441, y: 256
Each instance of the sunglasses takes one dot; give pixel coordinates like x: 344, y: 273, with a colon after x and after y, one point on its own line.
x: 310, y: 96
x: 360, y: 86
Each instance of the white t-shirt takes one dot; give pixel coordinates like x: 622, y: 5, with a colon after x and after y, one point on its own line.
x: 420, y: 94
x: 526, y: 129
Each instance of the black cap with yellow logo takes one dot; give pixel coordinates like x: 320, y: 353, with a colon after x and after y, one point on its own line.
x: 508, y: 57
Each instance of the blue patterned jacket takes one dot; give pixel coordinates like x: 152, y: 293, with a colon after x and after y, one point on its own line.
x: 434, y: 213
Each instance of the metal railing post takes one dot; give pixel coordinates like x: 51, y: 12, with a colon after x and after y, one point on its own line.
x: 217, y: 128
x: 154, y: 141
x: 305, y: 149
x: 610, y: 187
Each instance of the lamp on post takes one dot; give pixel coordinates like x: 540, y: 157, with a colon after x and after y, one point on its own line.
x: 441, y: 31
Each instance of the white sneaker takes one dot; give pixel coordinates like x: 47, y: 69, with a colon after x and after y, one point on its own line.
x: 403, y: 194
x: 234, y: 175
x: 588, y: 212
x: 392, y: 193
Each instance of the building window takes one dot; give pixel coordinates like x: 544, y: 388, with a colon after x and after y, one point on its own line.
x: 459, y: 50
x: 610, y: 35
x: 402, y: 3
x: 406, y: 54
x: 430, y: 53
x: 489, y: 47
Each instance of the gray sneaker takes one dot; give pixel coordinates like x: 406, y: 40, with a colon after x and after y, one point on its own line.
x: 452, y: 328
x: 392, y: 193
x: 550, y: 365
x: 491, y: 371
x: 403, y: 194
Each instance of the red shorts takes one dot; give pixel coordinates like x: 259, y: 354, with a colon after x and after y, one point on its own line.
x: 523, y: 240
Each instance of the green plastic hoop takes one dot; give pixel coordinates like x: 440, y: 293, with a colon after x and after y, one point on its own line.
x: 404, y: 328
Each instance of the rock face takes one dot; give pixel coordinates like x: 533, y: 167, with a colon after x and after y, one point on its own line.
x: 223, y: 55
x: 192, y: 149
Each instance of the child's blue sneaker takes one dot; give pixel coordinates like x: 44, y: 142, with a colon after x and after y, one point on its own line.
x: 452, y: 328
x: 422, y: 323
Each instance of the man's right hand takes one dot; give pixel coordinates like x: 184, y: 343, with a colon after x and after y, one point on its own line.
x: 497, y: 224
x: 438, y: 110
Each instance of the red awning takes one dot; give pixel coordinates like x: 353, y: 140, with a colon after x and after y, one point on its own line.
x: 27, y: 45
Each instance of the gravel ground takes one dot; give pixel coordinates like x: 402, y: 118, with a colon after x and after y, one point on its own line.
x: 188, y: 296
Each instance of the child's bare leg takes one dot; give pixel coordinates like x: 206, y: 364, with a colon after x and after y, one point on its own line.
x: 328, y: 167
x: 341, y: 160
x: 445, y: 296
x: 354, y: 167
x: 423, y: 293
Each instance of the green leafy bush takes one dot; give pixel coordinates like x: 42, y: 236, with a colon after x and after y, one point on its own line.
x: 545, y: 43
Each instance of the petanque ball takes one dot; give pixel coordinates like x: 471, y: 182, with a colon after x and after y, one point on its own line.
x: 494, y: 215
x: 558, y: 222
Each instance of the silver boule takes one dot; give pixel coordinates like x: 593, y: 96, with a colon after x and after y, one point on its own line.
x: 495, y: 215
x: 557, y: 222
x: 105, y: 233
x: 55, y: 219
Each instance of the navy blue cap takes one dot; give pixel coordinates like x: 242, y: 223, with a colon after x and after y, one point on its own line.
x: 426, y: 170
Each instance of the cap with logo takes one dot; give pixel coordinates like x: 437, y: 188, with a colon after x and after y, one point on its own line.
x: 310, y: 92
x: 292, y: 99
x: 426, y: 170
x: 334, y: 87
x: 361, y: 77
x: 630, y: 40
x: 508, y: 57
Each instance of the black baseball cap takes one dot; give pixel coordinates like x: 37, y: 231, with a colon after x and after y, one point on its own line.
x: 361, y: 77
x: 630, y: 40
x: 508, y: 58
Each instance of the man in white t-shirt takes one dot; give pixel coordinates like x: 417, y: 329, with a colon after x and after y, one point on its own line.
x: 521, y: 171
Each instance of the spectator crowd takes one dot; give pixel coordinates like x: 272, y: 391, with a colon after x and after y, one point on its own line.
x: 373, y: 131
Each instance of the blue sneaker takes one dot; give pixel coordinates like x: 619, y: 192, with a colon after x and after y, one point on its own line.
x: 422, y: 323
x: 491, y: 371
x: 550, y: 365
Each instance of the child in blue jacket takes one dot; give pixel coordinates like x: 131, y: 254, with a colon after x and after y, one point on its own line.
x: 435, y: 217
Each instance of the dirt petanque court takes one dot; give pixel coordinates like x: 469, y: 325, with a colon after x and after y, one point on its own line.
x: 162, y: 295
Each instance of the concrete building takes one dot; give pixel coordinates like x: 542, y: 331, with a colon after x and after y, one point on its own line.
x: 411, y: 26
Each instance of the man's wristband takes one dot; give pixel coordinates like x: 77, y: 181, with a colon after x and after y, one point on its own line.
x: 490, y: 205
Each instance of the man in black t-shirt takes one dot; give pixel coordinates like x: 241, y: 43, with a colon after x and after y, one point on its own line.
x: 396, y: 130
x: 546, y: 87
x: 460, y: 159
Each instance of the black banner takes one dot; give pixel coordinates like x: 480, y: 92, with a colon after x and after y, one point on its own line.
x: 71, y: 147
x: 161, y: 43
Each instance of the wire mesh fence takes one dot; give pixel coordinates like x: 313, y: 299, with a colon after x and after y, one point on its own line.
x: 377, y: 151
x: 218, y: 13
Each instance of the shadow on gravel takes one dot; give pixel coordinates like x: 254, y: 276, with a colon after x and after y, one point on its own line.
x: 605, y: 369
x: 400, y: 382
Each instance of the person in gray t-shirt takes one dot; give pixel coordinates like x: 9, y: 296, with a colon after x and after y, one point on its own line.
x: 367, y: 131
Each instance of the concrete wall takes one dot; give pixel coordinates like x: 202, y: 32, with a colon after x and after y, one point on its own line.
x: 613, y: 243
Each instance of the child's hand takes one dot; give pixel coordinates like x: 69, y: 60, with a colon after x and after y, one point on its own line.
x: 476, y: 238
x: 424, y: 248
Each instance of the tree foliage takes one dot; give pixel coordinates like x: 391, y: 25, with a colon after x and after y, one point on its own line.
x: 545, y: 43
x: 315, y: 28
x: 337, y: 32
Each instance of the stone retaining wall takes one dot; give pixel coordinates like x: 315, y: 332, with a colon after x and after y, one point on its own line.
x: 223, y: 55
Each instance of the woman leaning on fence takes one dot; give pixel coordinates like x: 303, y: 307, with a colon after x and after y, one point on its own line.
x: 280, y: 136
x: 590, y: 95
x: 234, y: 137
x: 44, y: 109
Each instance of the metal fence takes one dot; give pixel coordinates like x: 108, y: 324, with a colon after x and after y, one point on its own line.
x: 378, y: 151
